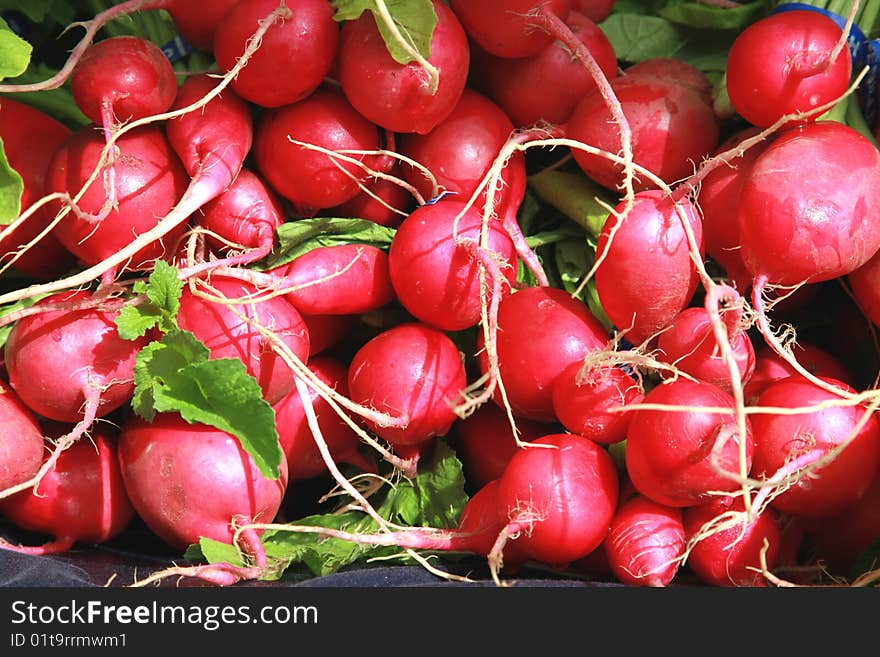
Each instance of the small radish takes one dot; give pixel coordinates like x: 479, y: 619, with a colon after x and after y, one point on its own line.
x: 769, y: 368
x: 223, y: 322
x: 482, y: 521
x: 303, y: 44
x: 21, y: 440
x: 81, y: 500
x: 197, y: 21
x: 434, y: 264
x: 415, y: 374
x: 673, y: 70
x: 679, y: 457
x: 397, y: 96
x: 188, y: 481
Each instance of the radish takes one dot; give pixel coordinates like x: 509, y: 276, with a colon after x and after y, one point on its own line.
x: 222, y: 322
x: 305, y: 42
x: 81, y: 500
x: 786, y: 443
x: 21, y: 440
x: 651, y: 231
x: 561, y: 77
x: 689, y: 344
x: 30, y: 139
x: 403, y: 97
x: 197, y: 21
x: 770, y: 367
x: 505, y: 28
x: 595, y: 10
x: 560, y: 499
x: 865, y: 283
x: 304, y: 460
x: 326, y: 331
x: 730, y: 555
x: 482, y: 521
x: 679, y: 457
x: 188, y: 481
x: 786, y: 63
x: 384, y: 202
x: 415, y: 374
x: 149, y: 181
x: 645, y: 543
x: 672, y: 70
x: 434, y: 263
x: 346, y: 279
x: 313, y: 180
x: 484, y: 442
x: 673, y: 129
x: 584, y: 403
x: 531, y: 354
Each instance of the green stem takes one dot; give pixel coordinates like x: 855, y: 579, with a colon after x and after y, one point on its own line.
x: 575, y: 196
x: 552, y: 236
x: 856, y: 120
x: 869, y: 16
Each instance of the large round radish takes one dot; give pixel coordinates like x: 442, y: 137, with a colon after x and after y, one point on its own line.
x: 21, y: 440
x: 294, y: 55
x: 398, y: 96
x: 562, y: 498
x: 218, y: 324
x: 64, y: 363
x: 505, y: 27
x: 414, y: 373
x: 30, y: 138
x: 673, y: 129
x: 563, y: 79
x: 784, y: 443
x: 781, y: 65
x: 541, y: 331
x: 188, y: 481
x: 81, y: 500
x: 808, y: 207
x: 679, y: 457
x: 653, y: 236
x: 149, y: 181
x: 309, y: 178
x: 435, y: 269
x: 673, y: 70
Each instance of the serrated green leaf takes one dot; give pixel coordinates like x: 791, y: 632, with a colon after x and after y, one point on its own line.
x: 15, y: 52
x: 301, y: 236
x: 414, y: 19
x: 706, y: 17
x: 636, y: 38
x: 134, y: 320
x: 216, y: 552
x: 160, y: 307
x: 11, y: 190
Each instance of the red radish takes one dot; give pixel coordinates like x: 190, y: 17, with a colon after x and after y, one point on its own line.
x: 816, y: 225
x: 484, y: 442
x: 731, y: 556
x: 769, y: 368
x: 784, y: 443
x: 123, y: 78
x: 563, y: 80
x: 246, y: 214
x: 188, y: 481
x: 680, y: 457
x: 505, y: 27
x: 396, y: 96
x: 689, y: 344
x: 865, y: 283
x: 583, y: 405
x: 30, y: 139
x: 482, y: 521
x: 415, y: 374
x: 21, y: 440
x: 326, y: 331
x: 434, y: 265
x: 304, y: 42
x: 561, y: 499
x: 673, y: 70
x: 310, y: 179
x: 645, y: 543
x: 541, y: 331
x: 304, y: 460
x: 227, y: 335
x: 595, y: 10
x: 69, y: 364
x: 673, y: 129
x: 197, y: 21
x: 347, y: 279
x: 782, y: 64
x: 149, y: 182
x: 81, y: 500
x: 652, y: 232
x: 383, y: 202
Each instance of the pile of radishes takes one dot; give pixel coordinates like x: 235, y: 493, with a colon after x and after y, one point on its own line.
x: 668, y: 425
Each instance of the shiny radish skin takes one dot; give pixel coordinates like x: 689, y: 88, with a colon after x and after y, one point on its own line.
x: 21, y: 440
x: 672, y: 70
x: 197, y: 21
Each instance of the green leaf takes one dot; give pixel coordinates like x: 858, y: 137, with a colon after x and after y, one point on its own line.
x: 415, y: 20
x: 158, y: 308
x: 301, y: 236
x: 637, y: 38
x: 705, y: 17
x: 38, y: 11
x: 58, y: 102
x: 176, y: 375
x: 11, y: 189
x: 15, y: 52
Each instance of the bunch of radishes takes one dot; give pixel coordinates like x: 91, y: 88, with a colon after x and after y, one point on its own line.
x: 166, y: 326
